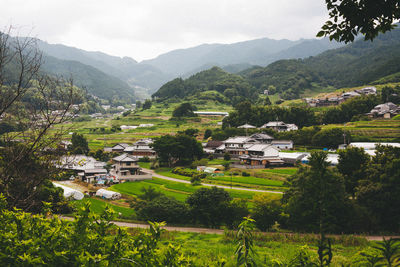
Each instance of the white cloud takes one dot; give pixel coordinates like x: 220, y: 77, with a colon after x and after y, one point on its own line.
x: 146, y: 28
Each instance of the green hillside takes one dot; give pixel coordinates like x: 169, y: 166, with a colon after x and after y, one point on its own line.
x: 94, y: 81
x: 353, y: 65
x: 213, y: 84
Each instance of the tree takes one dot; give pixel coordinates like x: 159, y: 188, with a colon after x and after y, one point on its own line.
x: 267, y: 102
x: 265, y: 211
x: 184, y: 110
x: 329, y: 138
x: 352, y: 165
x: 79, y: 144
x: 179, y: 149
x: 348, y: 18
x: 162, y: 208
x: 245, y: 254
x: 207, y: 134
x: 379, y: 191
x: 316, y: 199
x: 146, y: 104
x: 209, y: 206
x: 35, y: 102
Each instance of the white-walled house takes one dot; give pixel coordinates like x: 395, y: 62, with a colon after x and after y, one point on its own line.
x: 125, y: 168
x: 261, y: 155
x: 236, y: 146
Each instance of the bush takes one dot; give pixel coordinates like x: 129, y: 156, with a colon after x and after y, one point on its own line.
x: 245, y: 174
x: 200, y: 162
x: 144, y: 159
x: 227, y: 157
x: 162, y: 208
x: 188, y: 172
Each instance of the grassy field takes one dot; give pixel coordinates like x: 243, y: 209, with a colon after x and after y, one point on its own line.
x: 98, y: 205
x: 99, y: 135
x: 276, y: 183
x: 376, y: 130
x: 180, y: 191
x: 209, y: 249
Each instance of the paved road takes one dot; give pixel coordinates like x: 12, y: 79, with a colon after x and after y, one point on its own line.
x: 216, y: 231
x: 204, y: 184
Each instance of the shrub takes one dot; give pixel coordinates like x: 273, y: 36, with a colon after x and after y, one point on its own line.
x: 227, y: 156
x: 245, y: 174
x: 144, y: 159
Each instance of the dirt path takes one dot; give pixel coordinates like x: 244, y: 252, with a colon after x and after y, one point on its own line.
x: 217, y: 231
x: 210, y: 185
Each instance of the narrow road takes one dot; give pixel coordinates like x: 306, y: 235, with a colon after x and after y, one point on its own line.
x: 218, y: 231
x: 210, y: 185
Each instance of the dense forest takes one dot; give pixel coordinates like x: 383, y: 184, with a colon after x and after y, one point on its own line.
x: 219, y: 85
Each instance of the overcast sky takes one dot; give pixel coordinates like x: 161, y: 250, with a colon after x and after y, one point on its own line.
x: 144, y: 29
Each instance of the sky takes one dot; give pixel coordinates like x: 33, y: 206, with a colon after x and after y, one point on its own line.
x: 144, y: 29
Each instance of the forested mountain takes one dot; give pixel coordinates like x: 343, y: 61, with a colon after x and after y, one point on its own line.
x: 149, y: 75
x: 126, y: 69
x: 93, y: 80
x: 353, y: 65
x: 255, y: 52
x: 213, y: 84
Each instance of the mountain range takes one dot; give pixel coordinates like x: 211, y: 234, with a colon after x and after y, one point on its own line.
x: 356, y: 64
x: 110, y: 76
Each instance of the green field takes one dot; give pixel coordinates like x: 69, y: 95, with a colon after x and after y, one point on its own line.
x: 209, y: 249
x: 371, y: 131
x: 180, y: 191
x: 98, y: 205
x: 237, y: 180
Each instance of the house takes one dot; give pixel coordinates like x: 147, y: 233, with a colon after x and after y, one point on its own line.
x: 351, y: 94
x: 119, y: 147
x: 262, y: 138
x: 386, y: 110
x: 283, y: 144
x: 211, y: 146
x: 280, y: 126
x: 261, y: 155
x: 141, y: 148
x: 85, y: 167
x: 125, y: 168
x: 236, y: 146
x: 367, y: 90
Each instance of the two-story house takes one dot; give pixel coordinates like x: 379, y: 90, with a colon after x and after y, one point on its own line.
x: 125, y: 168
x: 237, y: 146
x: 141, y: 148
x: 261, y: 155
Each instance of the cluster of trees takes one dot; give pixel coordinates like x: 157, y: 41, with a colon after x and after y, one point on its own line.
x: 350, y: 110
x: 360, y: 195
x: 211, y: 207
x: 391, y: 94
x: 230, y: 88
x: 180, y: 149
x: 245, y: 112
x: 257, y: 115
x: 28, y: 98
x: 184, y: 110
